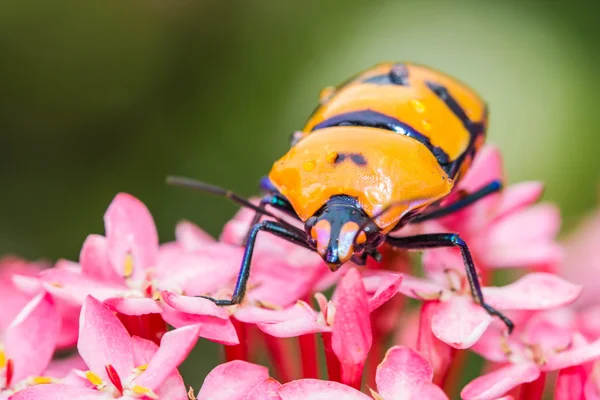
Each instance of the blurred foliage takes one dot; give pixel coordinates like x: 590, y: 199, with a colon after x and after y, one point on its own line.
x: 102, y: 97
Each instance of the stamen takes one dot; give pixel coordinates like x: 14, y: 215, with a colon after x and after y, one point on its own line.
x: 191, y: 394
x: 2, y: 358
x: 41, y: 380
x: 94, y: 379
x: 144, y: 391
x: 128, y: 265
x: 142, y: 368
x: 114, y: 377
x: 375, y: 395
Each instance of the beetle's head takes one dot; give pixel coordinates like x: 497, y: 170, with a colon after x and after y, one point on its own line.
x: 334, y: 230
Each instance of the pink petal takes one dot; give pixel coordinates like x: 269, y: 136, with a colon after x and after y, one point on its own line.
x: 418, y: 288
x: 265, y: 391
x: 295, y: 321
x: 315, y: 389
x: 570, y: 383
x: 493, y: 385
x: 194, y: 305
x: 62, y: 367
x: 535, y: 291
x: 351, y: 336
x: 174, y: 348
x: 518, y: 196
x: 173, y: 386
x: 94, y: 260
x: 383, y: 286
x: 133, y: 305
x: 402, y: 372
x: 427, y: 391
x: 232, y: 381
x: 103, y: 340
x: 272, y: 272
x: 12, y: 297
x: 191, y: 236
x: 30, y: 339
x: 486, y: 167
x: 216, y: 329
x: 57, y: 392
x: 512, y: 240
x: 489, y: 346
x: 438, y: 354
x: 130, y: 230
x: 201, y: 272
x: 459, y: 322
x: 73, y: 285
x: 573, y: 357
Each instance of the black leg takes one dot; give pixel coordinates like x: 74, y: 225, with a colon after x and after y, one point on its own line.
x: 294, y: 235
x: 276, y: 201
x: 466, y: 201
x: 452, y: 240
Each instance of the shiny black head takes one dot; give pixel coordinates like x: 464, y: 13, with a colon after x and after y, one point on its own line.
x: 334, y: 230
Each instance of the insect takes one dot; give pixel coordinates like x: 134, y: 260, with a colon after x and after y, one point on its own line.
x: 380, y: 151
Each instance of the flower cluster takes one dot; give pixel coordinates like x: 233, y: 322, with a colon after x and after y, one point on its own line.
x: 118, y: 322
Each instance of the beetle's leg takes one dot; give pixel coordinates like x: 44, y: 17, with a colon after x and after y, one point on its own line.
x: 492, y: 187
x: 276, y: 201
x: 294, y: 235
x: 429, y: 241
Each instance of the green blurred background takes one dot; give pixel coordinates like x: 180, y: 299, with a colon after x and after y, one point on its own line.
x: 102, y: 97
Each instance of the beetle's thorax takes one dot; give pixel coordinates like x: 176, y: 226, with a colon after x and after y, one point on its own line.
x: 339, y: 230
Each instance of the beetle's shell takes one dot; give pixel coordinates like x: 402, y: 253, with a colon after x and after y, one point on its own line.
x: 439, y: 125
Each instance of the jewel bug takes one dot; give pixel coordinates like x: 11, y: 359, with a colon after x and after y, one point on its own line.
x: 380, y: 151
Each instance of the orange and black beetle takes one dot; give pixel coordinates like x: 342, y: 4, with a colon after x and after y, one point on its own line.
x: 380, y: 151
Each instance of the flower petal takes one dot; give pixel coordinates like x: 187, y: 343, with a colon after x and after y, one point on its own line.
x: 576, y: 356
x: 232, y: 381
x: 174, y: 347
x: 103, y: 340
x: 194, y: 305
x: 459, y: 322
x: 130, y: 230
x: 94, y: 260
x: 401, y: 373
x: 57, y: 392
x: 265, y: 391
x: 351, y: 336
x: 535, y: 291
x: 12, y: 298
x: 438, y: 354
x: 419, y: 288
x: 524, y: 238
x: 518, y: 196
x: 133, y: 305
x: 191, y: 236
x: 383, y: 285
x: 173, y: 386
x: 570, y: 383
x: 293, y: 321
x: 201, y: 272
x: 62, y: 367
x: 72, y: 285
x: 315, y: 389
x: 496, y: 384
x: 216, y: 329
x: 30, y: 340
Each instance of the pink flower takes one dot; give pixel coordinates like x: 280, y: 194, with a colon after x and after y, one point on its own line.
x: 121, y: 366
x: 582, y: 260
x: 504, y: 229
x: 540, y: 345
x: 277, y: 264
x: 403, y: 374
x: 124, y: 269
x: 345, y: 321
x: 457, y: 320
x: 27, y: 345
x: 18, y: 285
